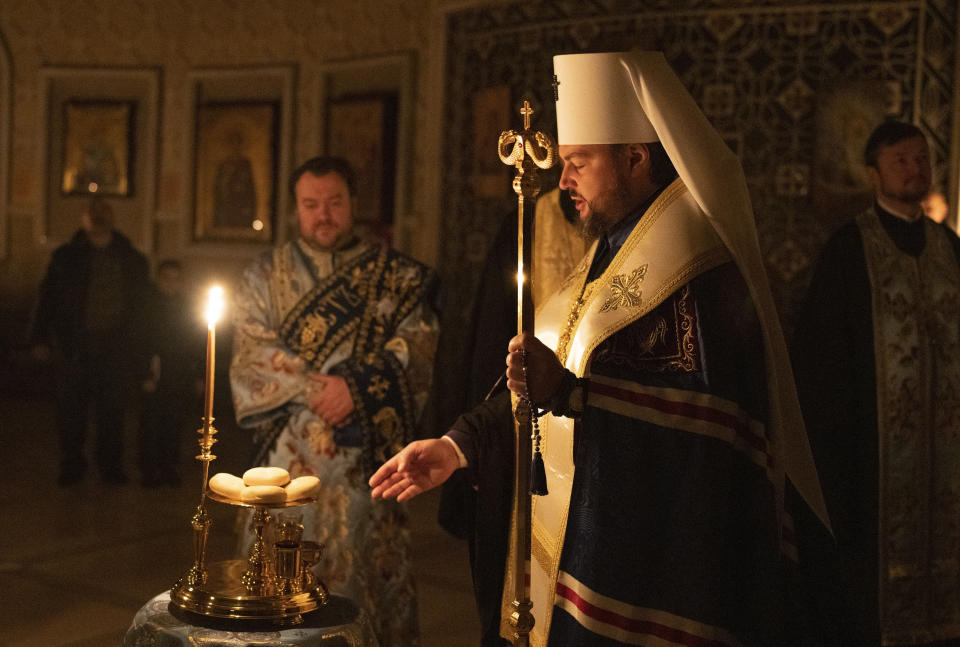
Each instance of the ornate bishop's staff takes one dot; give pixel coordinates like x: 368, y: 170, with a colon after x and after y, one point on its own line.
x: 526, y: 151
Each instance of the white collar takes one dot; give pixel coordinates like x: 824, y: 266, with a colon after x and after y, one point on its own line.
x: 890, y: 208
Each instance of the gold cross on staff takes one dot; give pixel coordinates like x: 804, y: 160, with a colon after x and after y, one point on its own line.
x: 526, y: 111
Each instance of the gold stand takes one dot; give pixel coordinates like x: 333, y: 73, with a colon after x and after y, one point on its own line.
x: 275, y: 583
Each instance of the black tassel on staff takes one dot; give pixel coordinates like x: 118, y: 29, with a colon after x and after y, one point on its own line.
x: 526, y: 151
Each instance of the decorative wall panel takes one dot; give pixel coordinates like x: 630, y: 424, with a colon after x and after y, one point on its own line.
x: 6, y: 83
x: 762, y: 71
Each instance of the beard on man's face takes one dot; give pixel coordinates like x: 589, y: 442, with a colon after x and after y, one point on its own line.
x: 593, y: 226
x: 604, y: 211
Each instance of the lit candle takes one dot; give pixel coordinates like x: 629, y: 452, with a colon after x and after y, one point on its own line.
x: 214, y: 310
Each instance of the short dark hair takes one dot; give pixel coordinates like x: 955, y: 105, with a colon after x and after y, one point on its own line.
x: 887, y: 134
x: 662, y: 171
x: 322, y: 165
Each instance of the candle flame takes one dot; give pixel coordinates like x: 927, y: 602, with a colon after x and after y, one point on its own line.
x: 214, y: 305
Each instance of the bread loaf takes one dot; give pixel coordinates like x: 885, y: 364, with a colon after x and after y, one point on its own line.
x: 263, y: 494
x: 302, y: 487
x: 227, y: 485
x: 266, y: 476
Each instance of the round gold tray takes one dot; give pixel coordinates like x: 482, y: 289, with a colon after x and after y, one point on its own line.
x: 223, y: 595
x: 253, y: 504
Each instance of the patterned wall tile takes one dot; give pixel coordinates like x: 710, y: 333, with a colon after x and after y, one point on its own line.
x: 723, y: 25
x: 802, y: 23
x: 792, y: 180
x: 890, y: 19
x: 797, y: 99
x: 718, y: 100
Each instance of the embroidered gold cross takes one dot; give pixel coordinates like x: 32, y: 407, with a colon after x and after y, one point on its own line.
x: 625, y: 291
x: 378, y: 387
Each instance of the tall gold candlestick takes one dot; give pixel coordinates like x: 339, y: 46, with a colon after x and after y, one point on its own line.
x: 200, y: 522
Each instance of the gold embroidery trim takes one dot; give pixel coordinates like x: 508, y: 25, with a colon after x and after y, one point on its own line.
x: 688, y: 353
x: 705, y: 261
x: 543, y: 547
x: 573, y: 320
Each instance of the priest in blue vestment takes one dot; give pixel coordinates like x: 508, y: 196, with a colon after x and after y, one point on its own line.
x: 333, y: 355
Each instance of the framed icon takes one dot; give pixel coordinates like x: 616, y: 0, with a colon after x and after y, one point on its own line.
x: 363, y: 130
x: 98, y: 147
x: 236, y: 171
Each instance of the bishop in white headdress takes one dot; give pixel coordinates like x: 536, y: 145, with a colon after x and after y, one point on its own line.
x: 674, y: 437
x: 675, y: 453
x: 630, y: 97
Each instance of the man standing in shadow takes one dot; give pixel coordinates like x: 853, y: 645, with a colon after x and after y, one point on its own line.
x: 86, y: 321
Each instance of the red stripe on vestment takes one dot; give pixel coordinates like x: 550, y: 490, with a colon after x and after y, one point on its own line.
x: 633, y: 625
x: 788, y: 533
x: 685, y: 409
x: 788, y: 538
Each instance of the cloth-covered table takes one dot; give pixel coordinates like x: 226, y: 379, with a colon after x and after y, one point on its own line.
x: 339, y: 624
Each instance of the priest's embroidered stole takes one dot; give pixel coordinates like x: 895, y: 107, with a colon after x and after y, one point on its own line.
x: 916, y: 309
x: 363, y: 301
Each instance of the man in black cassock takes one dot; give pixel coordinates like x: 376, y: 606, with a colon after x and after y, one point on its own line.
x: 674, y: 447
x: 878, y: 370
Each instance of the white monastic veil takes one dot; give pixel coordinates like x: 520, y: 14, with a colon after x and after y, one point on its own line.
x: 715, y: 179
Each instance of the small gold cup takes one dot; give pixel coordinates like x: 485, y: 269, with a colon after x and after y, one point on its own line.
x: 288, y: 566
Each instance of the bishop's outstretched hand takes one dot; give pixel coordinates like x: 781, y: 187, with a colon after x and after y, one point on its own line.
x: 420, y: 466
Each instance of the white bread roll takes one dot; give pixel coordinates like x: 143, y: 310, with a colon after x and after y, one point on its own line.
x: 301, y: 487
x: 266, y: 476
x: 227, y: 485
x: 263, y: 494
